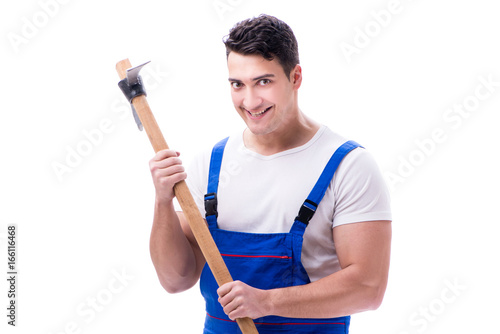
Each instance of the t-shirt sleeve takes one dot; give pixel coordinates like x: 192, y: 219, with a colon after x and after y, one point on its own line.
x: 360, y: 191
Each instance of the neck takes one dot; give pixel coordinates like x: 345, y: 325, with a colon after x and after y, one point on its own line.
x: 297, y: 133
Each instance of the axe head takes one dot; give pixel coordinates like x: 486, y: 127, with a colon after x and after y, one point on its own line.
x: 132, y: 87
x: 133, y: 73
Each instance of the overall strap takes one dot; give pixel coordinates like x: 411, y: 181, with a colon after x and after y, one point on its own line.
x: 213, y: 183
x: 310, y: 205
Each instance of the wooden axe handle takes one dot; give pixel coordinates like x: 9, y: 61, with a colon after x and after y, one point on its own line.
x: 185, y: 199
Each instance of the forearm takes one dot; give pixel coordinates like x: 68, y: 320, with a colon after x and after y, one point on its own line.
x: 344, y: 293
x: 171, y: 251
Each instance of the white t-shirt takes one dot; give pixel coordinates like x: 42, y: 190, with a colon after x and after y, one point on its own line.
x: 263, y: 194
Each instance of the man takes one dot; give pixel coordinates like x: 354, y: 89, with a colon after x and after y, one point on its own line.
x: 295, y: 271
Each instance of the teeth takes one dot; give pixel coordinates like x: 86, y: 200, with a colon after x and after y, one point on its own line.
x: 258, y: 113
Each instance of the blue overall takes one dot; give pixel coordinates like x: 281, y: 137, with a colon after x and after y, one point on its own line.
x: 265, y: 261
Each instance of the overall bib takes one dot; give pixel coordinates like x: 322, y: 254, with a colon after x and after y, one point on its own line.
x: 265, y: 260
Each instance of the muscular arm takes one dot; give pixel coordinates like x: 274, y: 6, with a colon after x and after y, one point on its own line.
x: 175, y: 253
x: 363, y: 250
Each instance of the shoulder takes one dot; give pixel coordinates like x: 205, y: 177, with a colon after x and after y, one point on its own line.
x: 360, y: 190
x: 358, y: 160
x: 328, y: 138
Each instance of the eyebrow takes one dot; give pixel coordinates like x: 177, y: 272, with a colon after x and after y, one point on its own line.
x: 260, y: 77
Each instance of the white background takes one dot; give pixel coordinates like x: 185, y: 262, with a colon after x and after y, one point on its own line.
x: 82, y: 225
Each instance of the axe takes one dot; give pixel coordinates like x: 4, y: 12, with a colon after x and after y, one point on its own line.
x: 131, y: 85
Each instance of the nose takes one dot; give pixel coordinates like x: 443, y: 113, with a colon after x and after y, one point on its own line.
x: 252, y: 101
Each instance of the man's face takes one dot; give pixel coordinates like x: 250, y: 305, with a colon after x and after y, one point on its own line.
x: 261, y: 92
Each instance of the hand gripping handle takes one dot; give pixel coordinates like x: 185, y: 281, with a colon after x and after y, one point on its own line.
x: 185, y: 199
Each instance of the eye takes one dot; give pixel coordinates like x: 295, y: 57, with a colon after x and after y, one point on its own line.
x: 264, y: 82
x: 236, y: 84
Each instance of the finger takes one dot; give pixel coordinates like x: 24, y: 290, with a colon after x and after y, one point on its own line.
x: 225, y: 289
x: 164, y: 185
x: 163, y: 154
x: 167, y: 178
x: 176, y: 178
x: 169, y: 171
x: 165, y: 163
x: 231, y: 309
x: 225, y: 300
x: 225, y: 295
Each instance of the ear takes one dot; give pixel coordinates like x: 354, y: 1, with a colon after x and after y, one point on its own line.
x: 296, y: 76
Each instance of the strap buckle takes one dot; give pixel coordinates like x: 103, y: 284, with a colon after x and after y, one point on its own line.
x: 306, y: 211
x: 211, y: 205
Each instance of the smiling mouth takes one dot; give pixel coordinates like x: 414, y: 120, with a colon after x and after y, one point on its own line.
x: 258, y: 113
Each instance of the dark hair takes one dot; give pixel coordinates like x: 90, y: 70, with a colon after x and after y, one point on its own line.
x: 267, y: 36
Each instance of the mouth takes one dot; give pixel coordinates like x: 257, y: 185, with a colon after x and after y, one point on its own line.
x: 257, y: 114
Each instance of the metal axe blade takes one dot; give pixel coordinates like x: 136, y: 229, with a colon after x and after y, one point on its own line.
x: 137, y: 119
x: 133, y: 73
